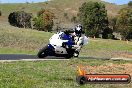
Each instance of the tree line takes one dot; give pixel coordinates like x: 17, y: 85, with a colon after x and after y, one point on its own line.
x: 92, y: 15
x: 42, y: 22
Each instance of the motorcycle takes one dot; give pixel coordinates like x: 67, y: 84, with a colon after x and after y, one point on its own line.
x: 61, y: 45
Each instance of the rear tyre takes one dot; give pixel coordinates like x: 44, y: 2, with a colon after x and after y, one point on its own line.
x: 43, y: 52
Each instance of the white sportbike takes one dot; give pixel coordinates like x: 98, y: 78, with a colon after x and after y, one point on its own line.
x: 61, y: 45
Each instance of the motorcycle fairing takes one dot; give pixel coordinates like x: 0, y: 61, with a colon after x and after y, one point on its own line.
x: 50, y: 46
x: 59, y: 38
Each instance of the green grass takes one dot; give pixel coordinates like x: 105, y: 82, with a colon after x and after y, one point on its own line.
x: 106, y: 48
x: 15, y: 51
x: 27, y: 41
x: 17, y: 40
x: 50, y: 74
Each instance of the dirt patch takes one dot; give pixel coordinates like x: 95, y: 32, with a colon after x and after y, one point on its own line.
x: 67, y: 9
x: 123, y: 54
x: 74, y: 12
x: 110, y: 69
x: 127, y: 55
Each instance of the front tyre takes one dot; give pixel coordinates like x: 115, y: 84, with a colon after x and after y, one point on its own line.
x: 70, y: 53
x: 76, y: 54
x: 43, y: 52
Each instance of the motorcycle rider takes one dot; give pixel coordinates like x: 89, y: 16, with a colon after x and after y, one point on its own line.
x: 78, y: 34
x: 78, y: 37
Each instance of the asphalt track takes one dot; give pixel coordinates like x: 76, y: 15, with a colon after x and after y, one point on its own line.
x: 14, y: 57
x: 19, y: 57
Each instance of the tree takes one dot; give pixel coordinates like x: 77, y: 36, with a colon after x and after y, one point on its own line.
x: 44, y: 20
x: 130, y: 3
x: 112, y: 23
x: 93, y: 16
x: 124, y: 23
x: 0, y: 13
x: 20, y: 19
x: 107, y: 33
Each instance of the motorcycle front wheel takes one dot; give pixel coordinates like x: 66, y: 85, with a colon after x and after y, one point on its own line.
x: 43, y: 52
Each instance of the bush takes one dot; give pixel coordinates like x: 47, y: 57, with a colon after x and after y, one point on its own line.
x: 39, y: 23
x: 44, y: 20
x: 20, y: 19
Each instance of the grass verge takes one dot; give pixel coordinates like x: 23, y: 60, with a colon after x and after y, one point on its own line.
x: 58, y: 74
x: 26, y: 41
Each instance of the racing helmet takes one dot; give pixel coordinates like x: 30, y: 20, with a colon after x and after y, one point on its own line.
x: 78, y: 29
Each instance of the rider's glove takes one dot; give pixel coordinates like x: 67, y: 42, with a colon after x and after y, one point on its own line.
x: 65, y: 45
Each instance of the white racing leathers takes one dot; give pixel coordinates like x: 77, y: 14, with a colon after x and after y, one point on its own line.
x: 80, y: 41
